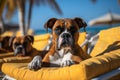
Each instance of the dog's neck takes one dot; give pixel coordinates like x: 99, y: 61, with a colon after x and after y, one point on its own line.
x: 30, y: 52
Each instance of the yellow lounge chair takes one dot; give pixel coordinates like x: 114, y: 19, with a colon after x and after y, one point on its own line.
x: 107, y: 47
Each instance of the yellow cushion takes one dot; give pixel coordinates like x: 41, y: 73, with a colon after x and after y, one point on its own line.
x: 83, y: 71
x: 82, y: 37
x: 3, y: 55
x: 14, y: 60
x: 18, y: 33
x: 40, y: 41
x: 1, y: 62
x: 7, y: 33
x: 108, y: 40
x: 17, y: 59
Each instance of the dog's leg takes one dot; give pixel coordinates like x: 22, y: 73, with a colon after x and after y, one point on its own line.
x: 36, y: 63
x: 67, y: 60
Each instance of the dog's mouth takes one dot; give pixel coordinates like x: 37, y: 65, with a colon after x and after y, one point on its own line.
x: 19, y: 52
x: 64, y: 43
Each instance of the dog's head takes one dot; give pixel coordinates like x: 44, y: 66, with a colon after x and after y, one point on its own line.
x: 4, y: 43
x: 21, y: 45
x: 65, y: 31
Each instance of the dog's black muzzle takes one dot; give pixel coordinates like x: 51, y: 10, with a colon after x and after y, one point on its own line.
x: 19, y: 51
x: 66, y: 40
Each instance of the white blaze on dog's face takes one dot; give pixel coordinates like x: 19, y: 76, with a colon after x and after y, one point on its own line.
x: 65, y: 40
x: 22, y: 46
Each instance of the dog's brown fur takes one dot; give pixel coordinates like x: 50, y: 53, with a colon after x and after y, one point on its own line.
x: 4, y: 41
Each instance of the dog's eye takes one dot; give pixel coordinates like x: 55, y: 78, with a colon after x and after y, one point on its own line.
x: 25, y: 43
x: 73, y: 29
x: 16, y: 44
x: 58, y: 30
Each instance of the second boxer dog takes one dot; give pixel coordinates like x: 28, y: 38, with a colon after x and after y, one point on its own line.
x: 4, y: 44
x: 22, y: 46
x: 65, y: 50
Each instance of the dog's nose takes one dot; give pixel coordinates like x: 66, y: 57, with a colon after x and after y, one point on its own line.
x: 20, y: 49
x: 66, y: 35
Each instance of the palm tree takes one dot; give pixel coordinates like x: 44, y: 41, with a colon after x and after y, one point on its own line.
x: 12, y: 5
x: 2, y: 4
x: 21, y: 14
x: 29, y: 15
x: 119, y: 2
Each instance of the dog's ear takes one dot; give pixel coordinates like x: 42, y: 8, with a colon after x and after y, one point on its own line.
x: 5, y: 39
x: 30, y: 38
x: 80, y: 22
x: 49, y: 24
x: 11, y: 40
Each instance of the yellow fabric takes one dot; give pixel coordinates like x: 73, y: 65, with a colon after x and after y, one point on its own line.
x: 83, y: 71
x: 1, y: 62
x: 3, y: 55
x: 18, y: 33
x: 7, y: 33
x: 17, y: 59
x: 14, y: 59
x: 82, y: 37
x: 40, y: 41
x: 108, y: 40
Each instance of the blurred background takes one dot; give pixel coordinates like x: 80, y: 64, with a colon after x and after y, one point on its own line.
x: 32, y: 14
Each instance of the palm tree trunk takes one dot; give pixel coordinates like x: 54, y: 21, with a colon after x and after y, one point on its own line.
x: 21, y: 14
x: 1, y: 25
x: 29, y: 15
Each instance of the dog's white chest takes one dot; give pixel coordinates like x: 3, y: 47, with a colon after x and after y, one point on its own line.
x: 59, y: 57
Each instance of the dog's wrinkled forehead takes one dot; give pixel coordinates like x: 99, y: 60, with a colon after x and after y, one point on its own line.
x: 66, y: 23
x: 19, y: 40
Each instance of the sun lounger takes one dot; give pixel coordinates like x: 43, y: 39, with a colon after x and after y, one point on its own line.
x: 105, y: 61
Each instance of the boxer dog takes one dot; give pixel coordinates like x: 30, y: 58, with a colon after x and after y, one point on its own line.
x: 65, y: 50
x: 4, y: 44
x: 22, y: 46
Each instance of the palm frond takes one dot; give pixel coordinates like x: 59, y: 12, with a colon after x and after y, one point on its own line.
x: 119, y: 2
x: 55, y: 6
x: 94, y: 1
x: 11, y: 8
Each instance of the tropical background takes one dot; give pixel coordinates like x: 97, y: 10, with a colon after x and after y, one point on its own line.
x: 32, y: 14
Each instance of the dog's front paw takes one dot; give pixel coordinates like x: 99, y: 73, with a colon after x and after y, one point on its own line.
x: 66, y: 63
x: 36, y: 63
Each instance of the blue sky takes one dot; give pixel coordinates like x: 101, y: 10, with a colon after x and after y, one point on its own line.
x: 72, y: 8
